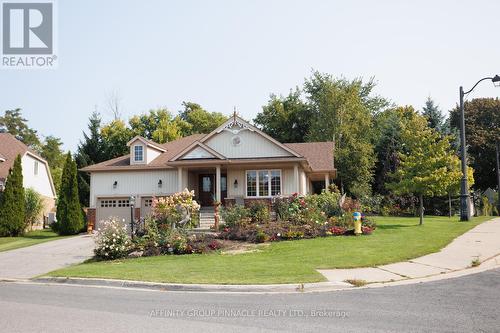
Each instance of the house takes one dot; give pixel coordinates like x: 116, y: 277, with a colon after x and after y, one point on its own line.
x: 235, y: 163
x: 36, y: 172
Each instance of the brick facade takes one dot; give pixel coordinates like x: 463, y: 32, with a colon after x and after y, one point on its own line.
x: 91, y: 217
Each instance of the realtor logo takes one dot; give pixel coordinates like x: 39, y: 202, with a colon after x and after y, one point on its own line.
x: 28, y: 35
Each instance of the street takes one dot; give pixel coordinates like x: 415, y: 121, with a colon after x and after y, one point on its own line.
x: 466, y: 304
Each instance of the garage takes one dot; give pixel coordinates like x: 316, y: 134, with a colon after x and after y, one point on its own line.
x: 113, y: 207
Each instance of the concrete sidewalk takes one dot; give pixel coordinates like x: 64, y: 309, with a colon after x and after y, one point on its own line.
x: 482, y: 243
x: 31, y: 261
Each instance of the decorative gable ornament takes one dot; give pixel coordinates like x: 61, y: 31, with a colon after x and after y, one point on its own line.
x: 235, y: 126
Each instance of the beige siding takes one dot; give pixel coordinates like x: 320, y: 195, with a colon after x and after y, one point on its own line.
x: 138, y: 183
x: 196, y: 153
x: 151, y: 154
x: 252, y: 145
x: 232, y: 175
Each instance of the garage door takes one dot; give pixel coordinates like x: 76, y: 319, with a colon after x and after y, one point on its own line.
x: 146, y: 206
x: 113, y: 207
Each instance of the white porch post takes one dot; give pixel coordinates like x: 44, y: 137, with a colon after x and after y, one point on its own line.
x: 179, y: 179
x: 327, y: 181
x: 217, y: 184
x: 296, y: 177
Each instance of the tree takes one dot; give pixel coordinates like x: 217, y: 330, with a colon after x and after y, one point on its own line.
x: 287, y: 119
x: 51, y: 151
x: 428, y: 165
x: 12, y: 216
x: 69, y: 213
x: 200, y: 120
x: 342, y: 111
x: 115, y: 136
x: 482, y: 131
x: 435, y: 118
x: 91, y: 150
x: 158, y: 125
x: 33, y: 205
x: 13, y: 123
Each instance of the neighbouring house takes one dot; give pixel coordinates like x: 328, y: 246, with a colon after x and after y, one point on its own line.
x: 36, y: 172
x: 234, y: 164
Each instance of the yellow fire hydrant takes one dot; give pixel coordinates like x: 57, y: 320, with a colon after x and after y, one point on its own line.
x: 357, y: 223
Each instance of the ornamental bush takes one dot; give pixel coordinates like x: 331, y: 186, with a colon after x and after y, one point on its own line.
x: 112, y: 240
x: 175, y: 210
x: 235, y: 215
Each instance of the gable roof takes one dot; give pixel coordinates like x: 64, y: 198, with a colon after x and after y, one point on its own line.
x: 319, y: 155
x: 235, y: 120
x: 147, y: 142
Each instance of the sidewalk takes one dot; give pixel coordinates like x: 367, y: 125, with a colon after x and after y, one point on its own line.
x: 482, y: 243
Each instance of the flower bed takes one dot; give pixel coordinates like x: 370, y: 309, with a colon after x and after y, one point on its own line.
x: 166, y: 232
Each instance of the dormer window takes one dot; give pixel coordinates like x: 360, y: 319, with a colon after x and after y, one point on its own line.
x: 138, y: 153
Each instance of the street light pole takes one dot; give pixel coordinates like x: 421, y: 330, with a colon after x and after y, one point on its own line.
x: 464, y: 186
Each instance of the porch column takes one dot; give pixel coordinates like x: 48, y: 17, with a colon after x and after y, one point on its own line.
x: 179, y: 179
x: 327, y: 181
x: 217, y: 184
x: 296, y: 177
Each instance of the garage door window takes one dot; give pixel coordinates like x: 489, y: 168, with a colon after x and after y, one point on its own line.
x: 148, y: 202
x: 124, y: 203
x: 108, y: 203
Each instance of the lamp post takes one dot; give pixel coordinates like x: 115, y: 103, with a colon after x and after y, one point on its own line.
x: 132, y: 205
x: 464, y: 186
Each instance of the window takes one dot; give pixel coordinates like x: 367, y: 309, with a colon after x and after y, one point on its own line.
x: 223, y: 183
x: 138, y: 153
x: 263, y: 183
x: 35, y: 169
x: 206, y: 184
x: 148, y: 202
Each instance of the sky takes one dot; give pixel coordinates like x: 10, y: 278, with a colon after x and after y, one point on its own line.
x: 226, y: 54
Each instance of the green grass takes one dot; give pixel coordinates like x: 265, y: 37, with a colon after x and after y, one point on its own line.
x: 395, y: 239
x: 30, y: 238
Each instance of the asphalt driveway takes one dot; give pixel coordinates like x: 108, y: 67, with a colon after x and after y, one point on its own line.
x: 28, y: 262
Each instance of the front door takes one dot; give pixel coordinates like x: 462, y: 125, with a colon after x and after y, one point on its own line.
x: 207, y: 189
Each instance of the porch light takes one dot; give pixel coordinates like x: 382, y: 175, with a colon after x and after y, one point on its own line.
x: 115, y: 184
x: 496, y: 80
x: 236, y: 183
x: 160, y: 183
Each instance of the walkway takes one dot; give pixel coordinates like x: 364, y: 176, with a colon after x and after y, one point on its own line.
x: 480, y: 243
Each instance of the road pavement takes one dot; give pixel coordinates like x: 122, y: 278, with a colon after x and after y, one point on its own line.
x: 466, y: 304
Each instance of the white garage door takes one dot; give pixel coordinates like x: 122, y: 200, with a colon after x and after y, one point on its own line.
x: 118, y: 208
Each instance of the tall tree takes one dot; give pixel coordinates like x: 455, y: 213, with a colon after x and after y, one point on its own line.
x: 435, y: 118
x: 12, y: 215
x: 14, y: 123
x: 158, y: 125
x: 51, y: 151
x: 482, y: 122
x: 428, y: 166
x: 115, y: 136
x: 91, y: 150
x: 287, y: 119
x: 69, y: 213
x: 200, y: 120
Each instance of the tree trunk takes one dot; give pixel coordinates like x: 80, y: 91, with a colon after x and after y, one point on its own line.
x: 421, y: 210
x: 449, y: 205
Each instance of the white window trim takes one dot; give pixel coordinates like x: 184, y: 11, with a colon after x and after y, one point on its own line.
x: 141, y: 160
x: 35, y: 168
x: 257, y: 181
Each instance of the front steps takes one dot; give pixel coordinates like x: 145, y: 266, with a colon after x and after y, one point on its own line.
x: 207, y: 218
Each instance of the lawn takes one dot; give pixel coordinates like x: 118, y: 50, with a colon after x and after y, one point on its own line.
x: 395, y: 239
x: 30, y: 238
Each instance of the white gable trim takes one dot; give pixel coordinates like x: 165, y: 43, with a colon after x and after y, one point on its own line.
x: 236, y: 121
x: 200, y: 147
x: 145, y: 142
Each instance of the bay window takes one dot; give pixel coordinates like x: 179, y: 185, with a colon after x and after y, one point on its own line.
x: 263, y: 183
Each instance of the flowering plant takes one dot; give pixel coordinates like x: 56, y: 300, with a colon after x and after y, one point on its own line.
x: 112, y: 240
x: 176, y: 209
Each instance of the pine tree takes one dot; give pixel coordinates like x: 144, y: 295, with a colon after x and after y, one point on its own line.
x: 69, y: 214
x: 435, y: 118
x: 12, y: 221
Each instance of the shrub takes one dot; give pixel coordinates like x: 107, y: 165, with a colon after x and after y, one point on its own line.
x: 259, y: 212
x: 351, y: 205
x: 327, y: 202
x: 175, y: 210
x: 33, y: 205
x: 12, y: 219
x: 261, y: 237
x: 69, y: 212
x: 112, y: 241
x: 176, y: 242
x: 235, y: 215
x: 337, y: 231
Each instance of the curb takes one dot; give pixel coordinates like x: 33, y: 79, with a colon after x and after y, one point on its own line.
x: 214, y: 288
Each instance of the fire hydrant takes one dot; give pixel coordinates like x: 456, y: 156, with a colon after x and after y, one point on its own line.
x: 357, y: 223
